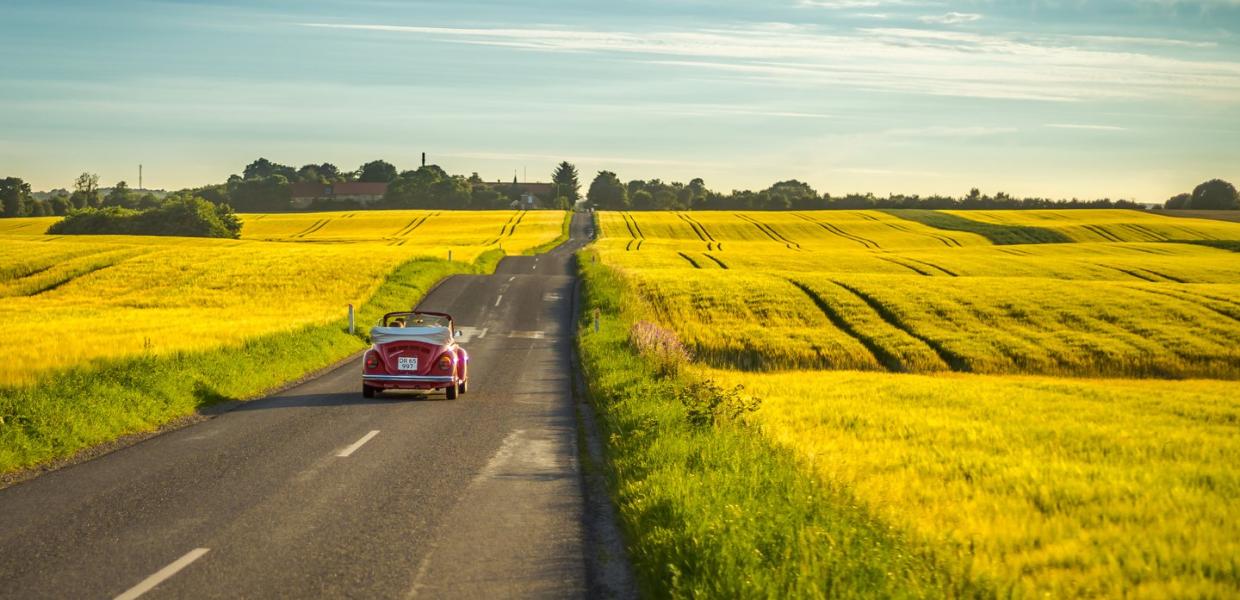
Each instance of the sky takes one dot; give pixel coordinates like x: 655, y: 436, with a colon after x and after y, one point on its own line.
x: 1136, y: 99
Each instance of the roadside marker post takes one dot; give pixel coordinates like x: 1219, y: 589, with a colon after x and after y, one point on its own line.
x: 350, y: 318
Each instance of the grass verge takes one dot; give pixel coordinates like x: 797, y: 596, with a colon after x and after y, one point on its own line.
x: 71, y: 410
x: 1000, y: 235
x: 717, y: 510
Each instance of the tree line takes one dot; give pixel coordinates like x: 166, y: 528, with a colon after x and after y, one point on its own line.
x: 1215, y: 194
x: 16, y: 200
x: 266, y: 186
x: 608, y: 192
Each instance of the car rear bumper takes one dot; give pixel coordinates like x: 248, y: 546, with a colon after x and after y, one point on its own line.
x: 413, y: 382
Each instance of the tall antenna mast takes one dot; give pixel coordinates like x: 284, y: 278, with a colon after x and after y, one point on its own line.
x: 139, y: 177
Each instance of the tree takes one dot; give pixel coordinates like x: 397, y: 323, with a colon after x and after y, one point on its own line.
x: 377, y: 171
x: 642, y: 200
x: 120, y: 196
x: 14, y: 196
x: 665, y: 199
x: 263, y: 194
x: 324, y: 173
x: 607, y: 193
x: 86, y: 191
x: 1215, y: 194
x: 566, y: 184
x: 792, y: 194
x: 149, y: 200
x: 1178, y: 201
x: 59, y: 204
x: 429, y: 187
x: 264, y: 168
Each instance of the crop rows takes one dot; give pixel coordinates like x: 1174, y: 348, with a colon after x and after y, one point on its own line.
x: 70, y: 300
x: 805, y: 292
x: 1015, y: 414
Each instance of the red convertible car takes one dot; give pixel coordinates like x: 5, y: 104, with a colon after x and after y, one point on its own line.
x: 415, y: 351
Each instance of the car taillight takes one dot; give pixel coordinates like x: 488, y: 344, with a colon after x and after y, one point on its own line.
x: 445, y: 362
x: 372, y: 360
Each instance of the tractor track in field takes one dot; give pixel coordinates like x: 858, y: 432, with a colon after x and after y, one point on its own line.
x: 1014, y: 251
x: 1103, y: 233
x: 700, y: 230
x: 905, y: 265
x: 721, y: 264
x: 1146, y: 274
x: 635, y: 230
x: 932, y: 266
x: 881, y: 356
x: 313, y: 228
x: 866, y: 243
x: 517, y: 223
x: 73, y: 271
x: 955, y: 361
x: 1192, y: 300
x: 770, y: 232
x: 1150, y: 233
x: 943, y: 239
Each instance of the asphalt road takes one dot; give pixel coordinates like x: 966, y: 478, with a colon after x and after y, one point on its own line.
x: 316, y: 492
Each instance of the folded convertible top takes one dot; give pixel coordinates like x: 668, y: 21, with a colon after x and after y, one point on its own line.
x: 440, y: 336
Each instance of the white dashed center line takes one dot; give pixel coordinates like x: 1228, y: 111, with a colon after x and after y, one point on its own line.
x: 497, y: 300
x: 161, y: 575
x: 358, y: 444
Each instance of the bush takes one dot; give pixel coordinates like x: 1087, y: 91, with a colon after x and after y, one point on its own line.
x: 707, y: 404
x: 659, y: 345
x: 180, y: 216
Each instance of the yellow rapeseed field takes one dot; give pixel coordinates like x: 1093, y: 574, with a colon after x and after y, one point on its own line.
x: 809, y: 298
x: 1109, y: 225
x: 969, y: 395
x: 1056, y: 487
x: 65, y: 300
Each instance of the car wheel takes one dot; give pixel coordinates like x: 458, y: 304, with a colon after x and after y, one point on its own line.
x: 368, y: 391
x: 463, y: 387
x: 451, y: 391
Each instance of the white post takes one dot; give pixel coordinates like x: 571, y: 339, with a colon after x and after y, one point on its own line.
x: 350, y: 318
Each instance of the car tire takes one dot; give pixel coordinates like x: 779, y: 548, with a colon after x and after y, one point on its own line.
x: 451, y: 391
x: 369, y: 391
x: 463, y: 387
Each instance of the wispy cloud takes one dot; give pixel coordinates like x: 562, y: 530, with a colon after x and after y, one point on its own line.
x: 943, y: 131
x: 851, y: 4
x: 951, y: 18
x: 1111, y: 40
x: 905, y: 60
x: 1085, y: 126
